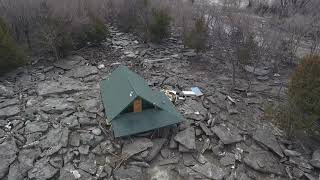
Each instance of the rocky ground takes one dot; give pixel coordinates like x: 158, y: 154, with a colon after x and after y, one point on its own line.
x: 52, y: 123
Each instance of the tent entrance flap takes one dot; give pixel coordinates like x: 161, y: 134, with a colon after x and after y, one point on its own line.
x: 137, y: 105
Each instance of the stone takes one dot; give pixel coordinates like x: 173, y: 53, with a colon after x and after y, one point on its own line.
x: 190, y: 53
x: 188, y: 159
x: 89, y: 164
x: 64, y: 85
x: 315, y: 161
x: 74, y: 139
x: 84, y: 149
x: 140, y: 164
x: 82, y: 71
x: 302, y: 163
x: 56, y: 161
x: 169, y: 161
x: 36, y: 126
x: 55, y: 137
x: 6, y: 91
x: 70, y: 121
x: 296, y: 172
x: 227, y: 135
x: 187, y: 138
x: 138, y: 145
x: 68, y: 172
x: 129, y: 172
x: 8, y: 153
x: 56, y: 105
x: 42, y: 170
x: 69, y: 62
x: 266, y: 137
x: 256, y: 71
x: 228, y: 159
x: 86, y: 137
x: 91, y: 105
x: 15, y: 173
x: 2, y: 133
x: 9, y: 111
x: 27, y: 157
x: 289, y: 152
x: 193, y: 107
x: 264, y: 161
x: 156, y: 148
x: 210, y: 171
x: 205, y: 129
x: 96, y: 131
x: 9, y: 102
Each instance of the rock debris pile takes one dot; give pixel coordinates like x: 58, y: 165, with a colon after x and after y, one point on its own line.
x: 52, y: 123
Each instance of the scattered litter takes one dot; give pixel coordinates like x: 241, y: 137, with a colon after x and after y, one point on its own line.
x: 231, y: 99
x: 115, y: 64
x: 188, y: 93
x: 195, y: 91
x: 171, y: 94
x: 276, y: 75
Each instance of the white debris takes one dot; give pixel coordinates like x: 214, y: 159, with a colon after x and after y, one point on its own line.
x: 76, y: 174
x: 101, y: 66
x: 188, y: 93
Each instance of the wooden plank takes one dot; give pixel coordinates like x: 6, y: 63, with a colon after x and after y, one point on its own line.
x: 137, y: 105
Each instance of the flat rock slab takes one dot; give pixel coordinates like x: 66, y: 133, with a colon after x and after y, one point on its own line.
x: 42, y: 170
x: 187, y: 138
x: 8, y: 151
x: 89, y: 164
x: 264, y: 161
x: 266, y: 137
x: 191, y: 106
x: 227, y: 135
x: 82, y: 71
x: 156, y: 148
x: 69, y: 62
x: 64, y: 85
x: 56, y: 137
x: 8, y: 102
x: 36, y: 126
x: 210, y: 171
x: 91, y: 105
x: 56, y: 105
x: 9, y: 111
x: 130, y: 172
x: 315, y: 161
x: 6, y: 91
x: 205, y: 129
x: 138, y: 145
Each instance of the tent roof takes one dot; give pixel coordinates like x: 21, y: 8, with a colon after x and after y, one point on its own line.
x: 123, y: 86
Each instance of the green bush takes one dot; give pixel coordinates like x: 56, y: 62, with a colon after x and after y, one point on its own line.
x: 302, y: 110
x: 304, y: 87
x: 97, y: 31
x: 247, y: 50
x: 159, y: 25
x: 11, y: 55
x: 55, y: 37
x: 197, y: 37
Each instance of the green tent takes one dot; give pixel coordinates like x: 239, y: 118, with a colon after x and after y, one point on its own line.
x: 120, y: 92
